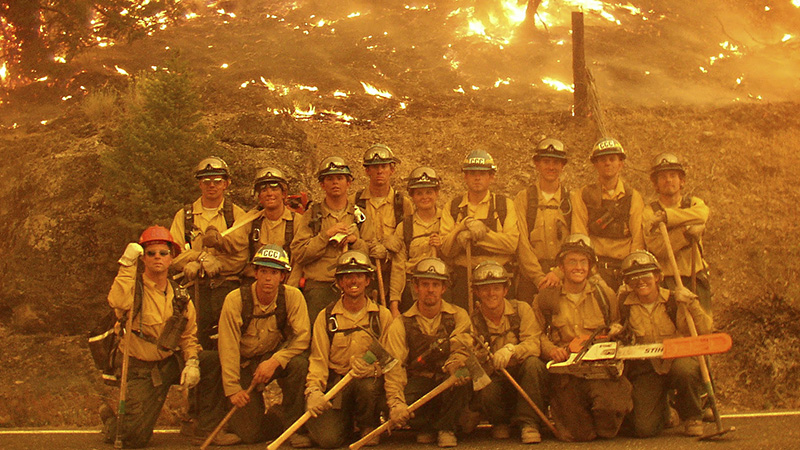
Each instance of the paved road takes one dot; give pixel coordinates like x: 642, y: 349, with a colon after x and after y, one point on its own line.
x: 761, y: 432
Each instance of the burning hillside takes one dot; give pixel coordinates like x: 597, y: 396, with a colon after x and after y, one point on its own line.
x: 359, y: 60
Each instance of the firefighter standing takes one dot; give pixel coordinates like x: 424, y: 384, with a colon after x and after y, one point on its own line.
x: 609, y: 212
x: 419, y: 237
x: 685, y: 217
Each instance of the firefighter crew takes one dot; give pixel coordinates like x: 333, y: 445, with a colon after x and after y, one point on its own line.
x: 609, y: 211
x: 384, y: 206
x: 685, y: 217
x: 342, y: 334
x: 652, y: 314
x: 218, y: 272
x: 544, y: 217
x: 432, y: 341
x: 263, y: 333
x: 162, y: 351
x: 277, y: 224
x: 583, y: 409
x: 484, y: 220
x: 513, y: 333
x: 326, y: 230
x: 418, y: 235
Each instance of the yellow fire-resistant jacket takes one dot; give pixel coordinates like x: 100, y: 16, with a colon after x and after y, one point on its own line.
x: 315, y: 254
x: 262, y: 335
x: 501, y: 245
x: 612, y: 248
x: 402, y: 265
x: 232, y: 263
x: 395, y: 343
x: 678, y: 219
x: 271, y: 232
x: 570, y: 320
x: 156, y: 309
x: 334, y: 354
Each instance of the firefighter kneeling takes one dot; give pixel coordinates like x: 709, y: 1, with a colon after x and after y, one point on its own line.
x: 432, y: 341
x: 263, y: 334
x: 652, y: 315
x: 583, y: 409
x: 512, y: 332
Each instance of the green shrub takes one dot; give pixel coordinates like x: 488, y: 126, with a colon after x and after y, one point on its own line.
x: 146, y: 176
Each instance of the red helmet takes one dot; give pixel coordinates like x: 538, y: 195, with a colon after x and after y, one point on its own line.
x: 157, y: 233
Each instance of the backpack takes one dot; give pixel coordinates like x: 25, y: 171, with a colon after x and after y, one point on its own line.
x: 533, y: 207
x: 104, y: 340
x: 498, y: 210
x: 428, y: 353
x: 255, y: 236
x: 397, y: 205
x: 188, y: 219
x: 279, y: 312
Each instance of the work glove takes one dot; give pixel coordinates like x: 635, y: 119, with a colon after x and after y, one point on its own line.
x: 502, y: 357
x: 684, y: 295
x: 192, y: 270
x: 132, y: 253
x: 211, y: 265
x: 400, y: 414
x: 614, y: 329
x: 316, y: 403
x: 361, y: 368
x: 694, y: 232
x: 191, y: 373
x: 380, y: 252
x: 463, y: 237
x: 212, y: 238
x: 477, y: 228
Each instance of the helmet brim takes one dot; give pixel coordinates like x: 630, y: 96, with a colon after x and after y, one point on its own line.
x: 273, y: 265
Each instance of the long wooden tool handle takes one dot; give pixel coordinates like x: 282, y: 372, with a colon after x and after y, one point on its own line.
x: 126, y: 359
x: 530, y: 401
x: 444, y: 385
x: 249, y: 217
x: 469, y: 277
x: 307, y: 415
x: 689, y: 319
x: 381, y: 292
x: 224, y: 421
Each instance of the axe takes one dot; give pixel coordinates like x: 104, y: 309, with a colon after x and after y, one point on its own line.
x: 375, y: 353
x: 712, y: 398
x: 523, y: 394
x: 243, y: 220
x: 472, y: 369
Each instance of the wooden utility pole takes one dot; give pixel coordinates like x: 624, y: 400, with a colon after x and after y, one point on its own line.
x: 579, y: 78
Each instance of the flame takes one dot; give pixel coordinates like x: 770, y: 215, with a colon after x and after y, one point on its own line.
x: 787, y: 36
x: 121, y: 71
x: 303, y: 114
x: 372, y: 90
x: 340, y: 94
x: 3, y: 72
x: 558, y: 85
x: 796, y: 3
x: 224, y: 66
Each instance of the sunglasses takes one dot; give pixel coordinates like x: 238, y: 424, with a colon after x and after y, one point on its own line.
x: 152, y: 253
x: 215, y: 181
